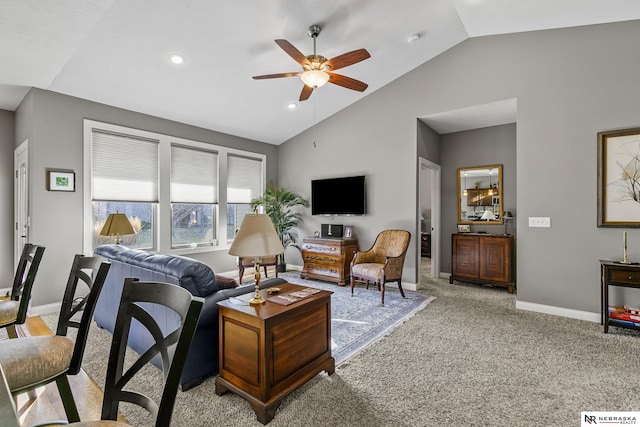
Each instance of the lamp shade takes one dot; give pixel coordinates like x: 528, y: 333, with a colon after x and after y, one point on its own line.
x: 117, y: 224
x: 488, y: 215
x: 257, y: 237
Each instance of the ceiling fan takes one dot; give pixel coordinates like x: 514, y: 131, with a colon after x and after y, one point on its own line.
x: 317, y: 70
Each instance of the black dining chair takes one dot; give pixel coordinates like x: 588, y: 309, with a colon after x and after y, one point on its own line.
x: 34, y: 361
x: 14, y: 310
x: 171, y: 346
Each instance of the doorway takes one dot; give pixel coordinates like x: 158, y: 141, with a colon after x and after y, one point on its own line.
x: 428, y: 220
x: 21, y: 198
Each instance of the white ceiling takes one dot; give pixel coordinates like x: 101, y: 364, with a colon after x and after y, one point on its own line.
x: 116, y: 52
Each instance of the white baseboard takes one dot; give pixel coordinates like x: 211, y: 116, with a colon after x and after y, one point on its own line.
x: 550, y: 309
x: 45, y: 309
x: 559, y: 311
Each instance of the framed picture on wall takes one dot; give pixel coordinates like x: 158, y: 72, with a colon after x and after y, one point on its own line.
x: 58, y: 180
x: 464, y: 228
x: 619, y: 178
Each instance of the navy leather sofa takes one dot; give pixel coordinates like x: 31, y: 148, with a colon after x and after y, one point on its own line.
x: 202, y: 360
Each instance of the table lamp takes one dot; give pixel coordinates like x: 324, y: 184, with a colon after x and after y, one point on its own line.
x: 488, y: 215
x: 507, y: 216
x: 117, y: 224
x: 256, y: 238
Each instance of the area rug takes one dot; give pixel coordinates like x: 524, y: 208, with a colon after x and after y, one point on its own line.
x: 359, y: 321
x: 20, y: 331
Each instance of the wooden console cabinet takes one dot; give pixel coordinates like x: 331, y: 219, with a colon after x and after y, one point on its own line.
x: 482, y: 258
x: 328, y: 259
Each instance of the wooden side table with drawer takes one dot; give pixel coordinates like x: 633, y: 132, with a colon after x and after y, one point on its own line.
x: 269, y: 350
x: 616, y: 274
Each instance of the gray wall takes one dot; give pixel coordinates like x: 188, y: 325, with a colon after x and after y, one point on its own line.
x: 487, y: 146
x: 569, y: 84
x: 428, y: 143
x: 53, y: 123
x: 7, y: 267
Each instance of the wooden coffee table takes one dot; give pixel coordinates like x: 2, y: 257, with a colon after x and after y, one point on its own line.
x: 269, y: 350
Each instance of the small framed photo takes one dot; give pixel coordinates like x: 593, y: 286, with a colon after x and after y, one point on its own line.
x: 464, y: 228
x: 348, y: 231
x: 58, y: 180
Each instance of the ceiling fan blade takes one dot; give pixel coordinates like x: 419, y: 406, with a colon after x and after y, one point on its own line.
x: 348, y: 82
x: 306, y: 93
x: 275, y: 76
x: 347, y: 59
x: 292, y: 51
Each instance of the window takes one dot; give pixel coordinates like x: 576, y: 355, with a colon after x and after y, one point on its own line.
x: 244, y: 184
x: 179, y: 194
x: 126, y: 184
x: 141, y: 216
x: 194, y: 196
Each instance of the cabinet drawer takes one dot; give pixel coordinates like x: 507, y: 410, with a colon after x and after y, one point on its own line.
x: 630, y: 277
x: 322, y: 269
x: 321, y: 249
x: 321, y: 259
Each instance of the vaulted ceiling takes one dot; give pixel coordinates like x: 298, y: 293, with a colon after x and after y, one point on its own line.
x: 117, y: 52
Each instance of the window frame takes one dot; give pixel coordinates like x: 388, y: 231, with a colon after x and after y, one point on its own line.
x: 162, y: 233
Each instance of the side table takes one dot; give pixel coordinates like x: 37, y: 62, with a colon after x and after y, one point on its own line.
x: 269, y: 350
x: 616, y: 274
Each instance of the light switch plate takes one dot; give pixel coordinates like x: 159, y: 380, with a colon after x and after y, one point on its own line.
x: 540, y: 221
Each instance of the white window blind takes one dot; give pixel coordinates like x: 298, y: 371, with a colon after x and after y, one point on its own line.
x: 244, y: 179
x: 194, y: 175
x: 124, y: 167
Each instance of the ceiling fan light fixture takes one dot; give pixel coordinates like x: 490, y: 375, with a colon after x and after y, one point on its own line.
x: 314, y: 78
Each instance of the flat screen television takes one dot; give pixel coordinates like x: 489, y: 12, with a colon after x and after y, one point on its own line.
x: 338, y: 196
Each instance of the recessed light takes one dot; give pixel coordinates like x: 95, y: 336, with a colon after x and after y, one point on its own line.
x: 176, y: 59
x: 292, y: 106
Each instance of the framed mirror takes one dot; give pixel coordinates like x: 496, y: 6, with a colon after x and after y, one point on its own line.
x: 480, y: 195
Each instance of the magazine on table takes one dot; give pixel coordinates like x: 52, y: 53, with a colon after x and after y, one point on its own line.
x: 294, y: 296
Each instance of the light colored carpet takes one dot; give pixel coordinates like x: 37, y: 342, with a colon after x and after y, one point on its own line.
x: 469, y: 359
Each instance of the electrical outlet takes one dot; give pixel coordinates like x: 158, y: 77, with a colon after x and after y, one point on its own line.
x: 539, y: 221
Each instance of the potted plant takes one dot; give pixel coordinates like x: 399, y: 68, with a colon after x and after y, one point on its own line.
x: 279, y: 204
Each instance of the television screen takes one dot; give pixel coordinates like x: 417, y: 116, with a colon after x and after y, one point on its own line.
x: 338, y: 196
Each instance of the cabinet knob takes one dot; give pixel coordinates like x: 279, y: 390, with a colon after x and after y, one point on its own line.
x: 630, y: 277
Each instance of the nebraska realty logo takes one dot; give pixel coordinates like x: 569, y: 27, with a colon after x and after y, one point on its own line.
x: 609, y: 418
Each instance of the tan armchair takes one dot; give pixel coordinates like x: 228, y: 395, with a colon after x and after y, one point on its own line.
x: 244, y: 262
x: 383, y: 262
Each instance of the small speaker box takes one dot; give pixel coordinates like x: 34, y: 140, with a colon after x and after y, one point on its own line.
x: 331, y: 231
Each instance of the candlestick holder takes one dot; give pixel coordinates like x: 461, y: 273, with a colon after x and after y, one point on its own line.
x: 624, y: 256
x: 625, y: 260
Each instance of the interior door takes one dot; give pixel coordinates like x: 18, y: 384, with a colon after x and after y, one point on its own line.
x: 431, y: 183
x: 21, y: 198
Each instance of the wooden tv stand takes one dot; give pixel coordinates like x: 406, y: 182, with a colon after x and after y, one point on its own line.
x: 328, y: 259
